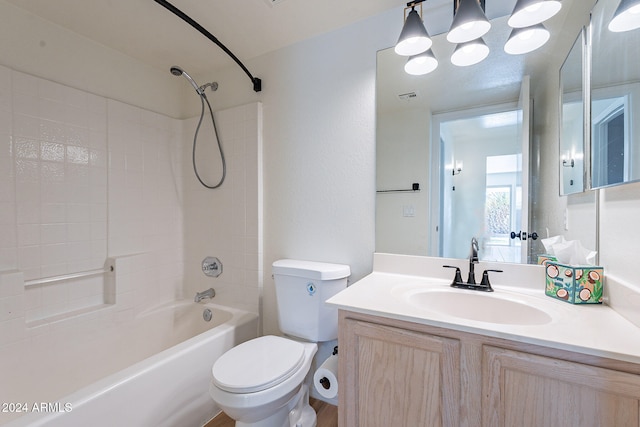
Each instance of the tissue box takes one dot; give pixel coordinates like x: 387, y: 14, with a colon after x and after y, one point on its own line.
x: 543, y: 259
x: 574, y: 284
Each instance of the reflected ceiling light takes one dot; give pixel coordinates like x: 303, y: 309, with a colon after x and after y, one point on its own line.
x: 470, y: 53
x: 531, y: 12
x: 421, y: 64
x: 627, y: 16
x: 414, y: 38
x: 469, y: 22
x: 525, y: 40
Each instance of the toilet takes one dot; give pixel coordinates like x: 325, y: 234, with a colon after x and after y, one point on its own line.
x: 260, y: 383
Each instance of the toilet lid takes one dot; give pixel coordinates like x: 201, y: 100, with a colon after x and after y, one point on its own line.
x: 257, y: 364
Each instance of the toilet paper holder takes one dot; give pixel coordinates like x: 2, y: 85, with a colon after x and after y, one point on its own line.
x: 324, y: 381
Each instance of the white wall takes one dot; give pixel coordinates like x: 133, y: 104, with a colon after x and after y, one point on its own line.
x: 402, y: 158
x: 38, y: 47
x: 318, y: 146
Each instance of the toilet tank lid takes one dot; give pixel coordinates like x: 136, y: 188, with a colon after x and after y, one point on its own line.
x: 310, y: 269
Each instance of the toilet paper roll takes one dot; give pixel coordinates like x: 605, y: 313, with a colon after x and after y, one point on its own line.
x: 325, y: 379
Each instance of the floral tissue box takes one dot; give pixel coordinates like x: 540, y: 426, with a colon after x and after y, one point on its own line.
x: 574, y: 284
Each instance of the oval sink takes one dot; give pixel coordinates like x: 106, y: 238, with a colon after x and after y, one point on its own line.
x: 474, y: 305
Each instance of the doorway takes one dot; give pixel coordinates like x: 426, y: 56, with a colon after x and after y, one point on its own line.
x: 481, y: 185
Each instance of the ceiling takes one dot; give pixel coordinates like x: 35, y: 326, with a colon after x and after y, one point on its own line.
x: 145, y: 30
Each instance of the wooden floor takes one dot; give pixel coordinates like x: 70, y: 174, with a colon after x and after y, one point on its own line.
x: 327, y: 416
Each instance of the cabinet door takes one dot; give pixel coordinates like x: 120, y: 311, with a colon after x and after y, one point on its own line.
x: 394, y: 377
x: 521, y: 389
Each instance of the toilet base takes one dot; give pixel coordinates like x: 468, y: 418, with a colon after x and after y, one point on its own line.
x: 296, y: 413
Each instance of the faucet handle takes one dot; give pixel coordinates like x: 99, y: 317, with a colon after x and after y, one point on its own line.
x: 458, y: 278
x: 485, y: 278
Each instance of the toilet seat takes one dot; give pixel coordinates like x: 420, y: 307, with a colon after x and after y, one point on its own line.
x: 258, y: 364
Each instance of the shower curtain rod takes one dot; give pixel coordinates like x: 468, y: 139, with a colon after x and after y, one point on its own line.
x: 257, y: 83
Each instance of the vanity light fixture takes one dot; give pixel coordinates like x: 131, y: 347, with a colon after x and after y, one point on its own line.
x: 414, y: 38
x: 470, y: 53
x: 469, y: 25
x: 421, y: 64
x: 531, y: 12
x: 627, y: 16
x: 525, y: 40
x: 469, y: 22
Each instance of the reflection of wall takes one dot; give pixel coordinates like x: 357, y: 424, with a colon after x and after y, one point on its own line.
x: 572, y: 147
x: 468, y: 200
x: 402, y: 159
x: 604, y: 98
x: 549, y: 210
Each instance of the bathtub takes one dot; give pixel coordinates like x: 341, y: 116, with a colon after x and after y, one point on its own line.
x: 168, y: 388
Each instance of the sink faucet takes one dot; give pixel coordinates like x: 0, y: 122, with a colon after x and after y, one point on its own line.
x: 473, y: 259
x: 484, y: 285
x: 209, y: 293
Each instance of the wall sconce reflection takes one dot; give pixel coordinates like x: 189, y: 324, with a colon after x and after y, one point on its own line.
x: 456, y: 169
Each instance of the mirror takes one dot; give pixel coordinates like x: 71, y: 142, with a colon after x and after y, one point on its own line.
x: 615, y: 87
x: 572, y: 135
x: 407, y: 221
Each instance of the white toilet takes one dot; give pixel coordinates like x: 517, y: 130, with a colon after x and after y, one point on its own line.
x: 259, y: 383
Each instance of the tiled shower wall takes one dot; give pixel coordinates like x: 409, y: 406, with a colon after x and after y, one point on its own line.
x: 226, y: 222
x: 83, y: 178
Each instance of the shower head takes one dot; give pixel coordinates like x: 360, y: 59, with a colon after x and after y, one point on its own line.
x: 177, y: 71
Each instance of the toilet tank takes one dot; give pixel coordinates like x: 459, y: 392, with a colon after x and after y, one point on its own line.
x: 302, y: 287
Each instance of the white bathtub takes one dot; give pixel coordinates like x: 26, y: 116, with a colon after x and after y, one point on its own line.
x: 169, y: 388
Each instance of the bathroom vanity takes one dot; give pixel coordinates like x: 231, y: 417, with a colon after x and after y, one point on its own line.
x: 404, y: 362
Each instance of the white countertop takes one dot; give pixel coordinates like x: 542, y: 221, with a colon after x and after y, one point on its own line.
x: 592, y: 329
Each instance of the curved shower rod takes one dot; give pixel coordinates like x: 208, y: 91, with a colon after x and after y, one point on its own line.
x: 257, y: 83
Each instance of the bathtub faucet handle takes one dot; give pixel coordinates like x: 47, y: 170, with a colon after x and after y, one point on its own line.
x: 209, y: 293
x: 211, y: 266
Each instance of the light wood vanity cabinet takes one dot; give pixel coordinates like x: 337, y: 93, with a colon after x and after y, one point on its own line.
x: 398, y: 377
x: 396, y: 373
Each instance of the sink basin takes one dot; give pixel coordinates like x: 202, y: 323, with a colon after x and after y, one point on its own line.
x: 474, y: 305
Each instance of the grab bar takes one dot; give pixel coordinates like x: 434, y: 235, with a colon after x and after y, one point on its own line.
x: 79, y: 275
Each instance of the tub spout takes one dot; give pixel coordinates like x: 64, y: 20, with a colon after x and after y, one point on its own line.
x: 209, y: 293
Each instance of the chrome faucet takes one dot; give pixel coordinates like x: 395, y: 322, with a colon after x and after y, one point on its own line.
x: 209, y: 293
x: 484, y: 285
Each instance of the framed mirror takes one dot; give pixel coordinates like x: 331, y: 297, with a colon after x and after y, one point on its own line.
x: 614, y: 89
x: 572, y: 114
